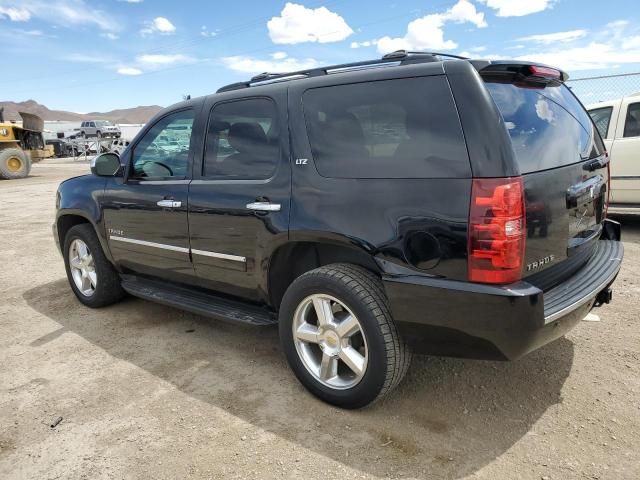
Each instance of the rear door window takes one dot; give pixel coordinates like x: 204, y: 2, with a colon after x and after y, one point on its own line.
x: 549, y: 128
x: 402, y: 128
x: 243, y: 140
x: 632, y: 121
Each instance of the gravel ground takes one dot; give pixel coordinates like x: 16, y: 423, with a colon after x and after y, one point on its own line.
x: 147, y: 391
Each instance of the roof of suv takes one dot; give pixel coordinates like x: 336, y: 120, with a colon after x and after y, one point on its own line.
x: 398, y: 58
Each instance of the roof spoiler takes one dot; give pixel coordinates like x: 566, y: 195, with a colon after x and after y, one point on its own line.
x: 525, y: 71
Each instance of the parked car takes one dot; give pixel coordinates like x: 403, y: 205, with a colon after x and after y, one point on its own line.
x: 99, y: 128
x: 618, y: 121
x: 62, y: 147
x: 369, y: 210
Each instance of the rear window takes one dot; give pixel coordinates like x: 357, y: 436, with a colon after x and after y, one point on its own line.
x: 601, y: 118
x: 403, y: 128
x: 549, y: 128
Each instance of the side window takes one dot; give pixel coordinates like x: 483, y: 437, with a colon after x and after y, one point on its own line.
x: 243, y: 140
x: 632, y: 121
x: 601, y: 118
x: 403, y: 128
x: 163, y: 151
x: 92, y: 124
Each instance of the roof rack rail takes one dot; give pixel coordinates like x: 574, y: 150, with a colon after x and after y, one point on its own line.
x: 402, y: 57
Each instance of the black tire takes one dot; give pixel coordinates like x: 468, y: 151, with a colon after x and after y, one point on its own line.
x: 108, y: 289
x: 361, y: 292
x: 14, y: 163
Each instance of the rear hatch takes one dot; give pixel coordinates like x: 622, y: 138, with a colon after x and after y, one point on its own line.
x: 563, y: 164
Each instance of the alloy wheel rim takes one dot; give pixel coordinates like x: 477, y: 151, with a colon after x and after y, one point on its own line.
x: 83, y: 269
x: 330, y: 341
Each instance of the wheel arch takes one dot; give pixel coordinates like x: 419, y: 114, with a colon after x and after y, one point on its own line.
x: 69, y: 219
x: 297, y: 257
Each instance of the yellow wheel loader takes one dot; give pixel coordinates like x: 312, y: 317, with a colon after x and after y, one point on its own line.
x: 20, y: 146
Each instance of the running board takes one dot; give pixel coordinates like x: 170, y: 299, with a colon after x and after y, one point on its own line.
x: 195, y: 301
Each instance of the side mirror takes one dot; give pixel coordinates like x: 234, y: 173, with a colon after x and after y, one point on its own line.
x: 106, y: 165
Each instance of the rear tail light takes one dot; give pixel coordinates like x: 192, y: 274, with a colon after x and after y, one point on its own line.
x: 497, y: 230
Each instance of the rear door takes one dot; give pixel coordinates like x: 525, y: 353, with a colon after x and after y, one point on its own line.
x: 625, y: 154
x: 564, y: 167
x: 239, y: 198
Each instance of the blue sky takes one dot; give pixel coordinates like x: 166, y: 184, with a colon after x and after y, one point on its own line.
x: 97, y: 55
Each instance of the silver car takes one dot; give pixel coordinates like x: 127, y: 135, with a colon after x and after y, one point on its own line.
x: 99, y: 128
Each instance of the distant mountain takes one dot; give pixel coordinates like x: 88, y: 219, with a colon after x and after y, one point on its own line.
x: 140, y: 114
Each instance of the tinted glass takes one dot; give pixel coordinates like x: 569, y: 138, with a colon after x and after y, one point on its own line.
x: 601, y: 118
x: 548, y: 127
x: 404, y: 128
x: 243, y: 140
x: 632, y: 121
x: 155, y: 157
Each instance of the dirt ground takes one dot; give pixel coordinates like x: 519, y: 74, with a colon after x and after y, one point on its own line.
x: 147, y: 391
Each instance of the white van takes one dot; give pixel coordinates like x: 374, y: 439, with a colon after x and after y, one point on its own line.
x: 618, y: 121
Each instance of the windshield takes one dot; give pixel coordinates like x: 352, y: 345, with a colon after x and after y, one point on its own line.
x: 103, y: 123
x: 549, y: 128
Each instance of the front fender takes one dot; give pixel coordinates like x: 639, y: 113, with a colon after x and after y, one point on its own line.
x: 80, y: 197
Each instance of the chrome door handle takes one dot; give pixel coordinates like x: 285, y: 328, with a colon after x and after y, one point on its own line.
x: 264, y: 206
x: 169, y: 204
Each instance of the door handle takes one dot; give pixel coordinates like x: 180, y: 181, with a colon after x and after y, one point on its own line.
x: 264, y: 206
x: 169, y: 204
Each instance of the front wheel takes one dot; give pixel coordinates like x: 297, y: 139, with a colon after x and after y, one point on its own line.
x: 14, y: 163
x: 91, y: 276
x: 339, y: 338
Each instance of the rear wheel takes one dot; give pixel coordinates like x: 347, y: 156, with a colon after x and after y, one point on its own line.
x: 14, y: 163
x: 339, y: 338
x: 91, y: 276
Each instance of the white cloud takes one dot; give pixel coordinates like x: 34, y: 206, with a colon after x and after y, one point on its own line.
x: 298, y: 24
x: 110, y: 36
x: 427, y: 32
x: 83, y: 58
x: 160, y: 59
x: 160, y: 25
x: 595, y: 55
x: 517, y: 8
x: 130, y: 71
x: 253, y: 65
x: 131, y: 1
x: 568, y: 36
x: 65, y: 13
x: 614, y: 45
x: 366, y: 43
x: 15, y: 14
x: 279, y: 55
x: 205, y: 32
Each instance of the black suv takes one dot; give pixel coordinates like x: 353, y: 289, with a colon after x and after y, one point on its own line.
x: 411, y: 203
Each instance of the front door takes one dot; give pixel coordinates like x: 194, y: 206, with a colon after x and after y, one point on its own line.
x: 239, y: 197
x: 146, y: 214
x: 625, y: 154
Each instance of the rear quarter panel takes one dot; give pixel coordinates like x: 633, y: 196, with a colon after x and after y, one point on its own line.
x: 419, y: 224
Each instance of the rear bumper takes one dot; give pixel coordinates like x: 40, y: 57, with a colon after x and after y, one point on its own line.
x: 497, y: 322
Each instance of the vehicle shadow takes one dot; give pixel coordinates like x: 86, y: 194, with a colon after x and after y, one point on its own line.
x: 448, y: 419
